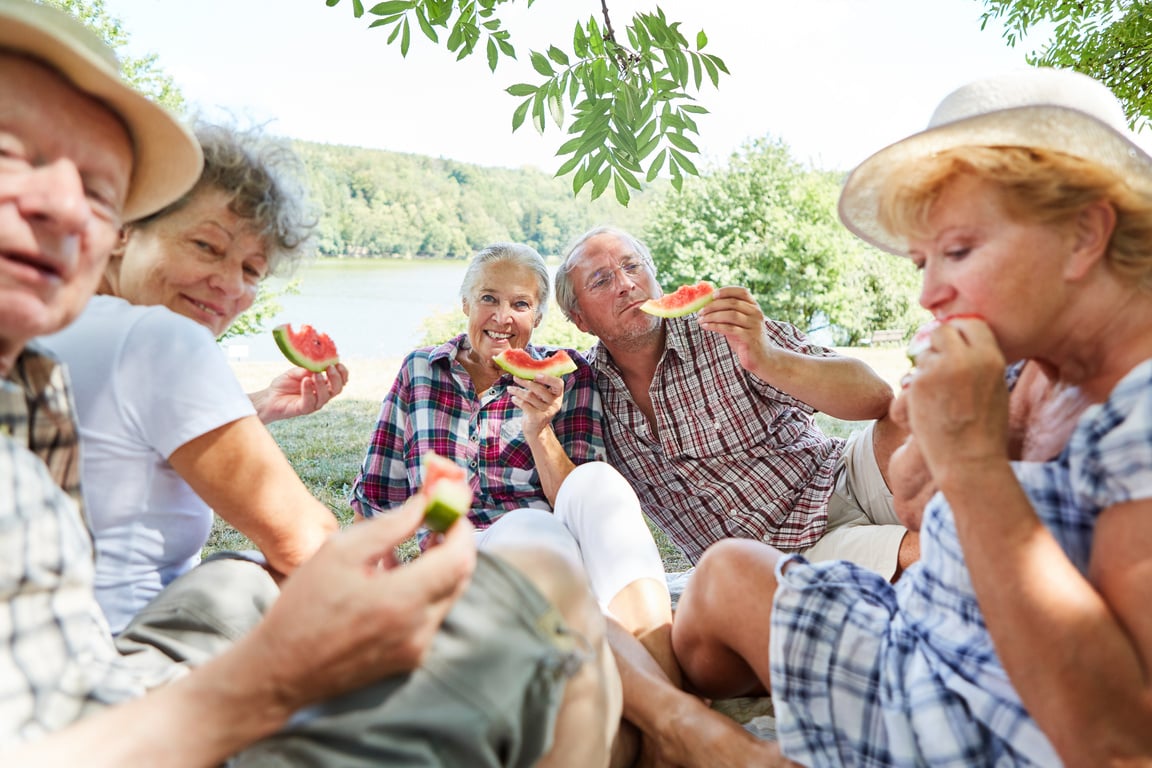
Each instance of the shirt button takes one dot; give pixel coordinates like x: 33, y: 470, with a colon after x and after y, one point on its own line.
x: 472, y: 464
x: 733, y: 513
x: 474, y: 437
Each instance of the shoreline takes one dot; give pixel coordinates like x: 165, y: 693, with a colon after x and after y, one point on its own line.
x: 371, y: 378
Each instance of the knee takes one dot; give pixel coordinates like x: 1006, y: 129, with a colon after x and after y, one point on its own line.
x: 725, y: 569
x: 596, y: 486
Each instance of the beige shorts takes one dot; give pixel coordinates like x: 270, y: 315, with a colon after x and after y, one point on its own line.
x: 862, y: 525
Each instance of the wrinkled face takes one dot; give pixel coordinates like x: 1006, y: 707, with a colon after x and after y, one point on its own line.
x: 610, y: 282
x: 201, y: 261
x: 65, y: 168
x: 502, y: 309
x: 975, y: 259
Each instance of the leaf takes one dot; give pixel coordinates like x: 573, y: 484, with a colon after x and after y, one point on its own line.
x: 657, y: 164
x: 405, y: 38
x: 520, y: 113
x: 521, y: 89
x: 331, y: 3
x: 556, y: 106
x: 571, y: 145
x: 357, y: 8
x: 391, y: 7
x: 683, y: 162
x: 682, y: 142
x: 393, y: 35
x: 568, y: 165
x: 579, y: 41
x: 558, y: 56
x: 506, y: 47
x: 541, y: 65
x: 493, y: 54
x: 622, y: 195
x: 701, y: 40
x: 600, y: 183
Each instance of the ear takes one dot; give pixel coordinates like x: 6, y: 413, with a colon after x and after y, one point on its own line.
x: 578, y: 320
x: 1091, y: 238
x: 464, y: 306
x: 110, y: 282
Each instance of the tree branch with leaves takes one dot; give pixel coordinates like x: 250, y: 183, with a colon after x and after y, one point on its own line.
x: 629, y: 108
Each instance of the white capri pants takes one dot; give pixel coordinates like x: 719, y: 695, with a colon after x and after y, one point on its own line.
x: 598, y: 520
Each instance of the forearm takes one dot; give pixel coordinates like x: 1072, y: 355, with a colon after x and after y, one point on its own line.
x: 260, y: 401
x: 200, y: 720
x: 841, y: 387
x: 552, y: 462
x: 1076, y: 668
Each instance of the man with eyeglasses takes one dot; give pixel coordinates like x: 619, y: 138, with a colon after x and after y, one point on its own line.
x: 710, y: 417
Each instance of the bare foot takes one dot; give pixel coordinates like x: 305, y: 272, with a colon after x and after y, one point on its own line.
x: 699, y: 736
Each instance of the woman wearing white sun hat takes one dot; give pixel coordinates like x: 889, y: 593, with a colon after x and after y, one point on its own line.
x: 1023, y: 636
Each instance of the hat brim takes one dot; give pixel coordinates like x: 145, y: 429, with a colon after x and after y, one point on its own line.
x: 167, y: 159
x: 1063, y: 129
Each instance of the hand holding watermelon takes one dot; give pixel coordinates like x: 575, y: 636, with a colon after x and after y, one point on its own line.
x: 683, y: 301
x: 446, y: 491
x: 308, y: 348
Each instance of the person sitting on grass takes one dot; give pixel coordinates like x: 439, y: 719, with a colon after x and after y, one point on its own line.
x: 1022, y: 637
x: 460, y: 658
x: 169, y: 436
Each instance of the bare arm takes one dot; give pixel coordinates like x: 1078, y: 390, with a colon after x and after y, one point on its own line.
x: 1089, y: 689
x: 298, y: 392
x: 348, y: 618
x: 240, y: 472
x: 842, y: 387
x: 540, y: 401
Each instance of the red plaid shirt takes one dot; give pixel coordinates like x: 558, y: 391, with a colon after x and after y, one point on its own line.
x: 733, y: 457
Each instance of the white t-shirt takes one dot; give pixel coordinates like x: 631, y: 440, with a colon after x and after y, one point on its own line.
x: 146, y: 381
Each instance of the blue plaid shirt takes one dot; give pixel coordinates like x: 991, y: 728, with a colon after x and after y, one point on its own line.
x: 432, y: 406
x: 876, y: 675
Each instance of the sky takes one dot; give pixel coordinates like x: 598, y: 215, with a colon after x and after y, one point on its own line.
x: 835, y: 79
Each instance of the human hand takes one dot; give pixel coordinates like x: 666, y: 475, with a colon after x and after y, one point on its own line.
x: 736, y: 316
x: 351, y: 615
x: 955, y: 402
x: 299, y: 392
x: 539, y: 400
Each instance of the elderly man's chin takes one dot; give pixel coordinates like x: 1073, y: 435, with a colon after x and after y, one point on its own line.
x: 27, y: 314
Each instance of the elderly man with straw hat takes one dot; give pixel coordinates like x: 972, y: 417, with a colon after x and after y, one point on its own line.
x: 1022, y: 637
x: 357, y: 660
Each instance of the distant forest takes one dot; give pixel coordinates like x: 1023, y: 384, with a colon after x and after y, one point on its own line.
x: 379, y: 204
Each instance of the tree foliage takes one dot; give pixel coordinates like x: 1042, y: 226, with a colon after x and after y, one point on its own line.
x: 1111, y: 40
x: 768, y: 223
x: 630, y: 101
x: 375, y: 203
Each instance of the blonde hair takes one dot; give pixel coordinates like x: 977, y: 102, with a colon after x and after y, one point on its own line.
x: 1035, y: 185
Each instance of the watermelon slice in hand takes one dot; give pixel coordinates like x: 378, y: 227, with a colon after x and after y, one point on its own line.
x: 922, y: 339
x: 683, y: 301
x: 523, y: 366
x: 307, y: 348
x: 446, y: 491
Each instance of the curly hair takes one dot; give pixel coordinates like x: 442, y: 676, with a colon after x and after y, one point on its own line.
x: 265, y: 178
x: 1035, y: 185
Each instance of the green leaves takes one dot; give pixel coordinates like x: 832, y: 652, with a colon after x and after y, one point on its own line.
x: 628, y: 109
x: 627, y: 104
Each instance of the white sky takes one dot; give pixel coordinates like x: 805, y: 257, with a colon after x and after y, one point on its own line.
x: 836, y: 79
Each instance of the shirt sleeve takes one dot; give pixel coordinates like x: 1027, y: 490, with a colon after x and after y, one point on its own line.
x: 579, y: 424
x: 383, y: 480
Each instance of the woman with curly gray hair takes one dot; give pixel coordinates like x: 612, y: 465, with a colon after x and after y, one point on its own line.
x: 168, y: 433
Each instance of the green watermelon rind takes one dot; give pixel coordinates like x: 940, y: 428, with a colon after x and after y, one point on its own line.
x: 280, y: 334
x: 561, y: 366
x: 448, y: 499
x: 656, y: 306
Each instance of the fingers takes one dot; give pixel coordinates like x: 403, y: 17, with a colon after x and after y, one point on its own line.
x: 374, y: 539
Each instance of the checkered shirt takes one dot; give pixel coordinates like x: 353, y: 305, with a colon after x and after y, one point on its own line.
x: 733, y: 456
x: 867, y: 674
x: 431, y: 406
x: 57, y: 661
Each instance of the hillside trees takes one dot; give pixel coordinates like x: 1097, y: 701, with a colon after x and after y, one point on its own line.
x: 1111, y: 40
x: 768, y: 223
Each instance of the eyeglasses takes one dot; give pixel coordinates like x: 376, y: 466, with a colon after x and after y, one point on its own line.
x: 603, y: 279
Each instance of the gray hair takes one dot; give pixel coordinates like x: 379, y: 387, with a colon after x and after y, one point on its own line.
x: 265, y: 178
x: 513, y: 253
x: 565, y: 290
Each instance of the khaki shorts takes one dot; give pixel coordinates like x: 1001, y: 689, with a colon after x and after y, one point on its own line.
x: 862, y: 525
x: 486, y: 695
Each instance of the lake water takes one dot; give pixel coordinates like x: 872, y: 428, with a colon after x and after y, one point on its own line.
x: 371, y: 308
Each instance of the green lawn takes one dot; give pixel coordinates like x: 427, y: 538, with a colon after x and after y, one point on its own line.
x: 326, y: 449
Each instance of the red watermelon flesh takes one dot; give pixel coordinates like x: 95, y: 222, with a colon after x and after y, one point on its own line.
x: 446, y: 491
x: 522, y: 365
x: 306, y: 348
x: 683, y: 301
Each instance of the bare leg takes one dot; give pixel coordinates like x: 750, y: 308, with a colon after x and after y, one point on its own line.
x: 887, y: 436
x: 644, y: 608
x: 722, y: 622
x: 678, y: 729
x: 590, y: 712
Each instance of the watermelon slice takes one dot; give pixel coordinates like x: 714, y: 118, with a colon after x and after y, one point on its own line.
x: 683, y: 301
x: 307, y: 348
x: 446, y: 491
x: 522, y: 365
x: 922, y: 339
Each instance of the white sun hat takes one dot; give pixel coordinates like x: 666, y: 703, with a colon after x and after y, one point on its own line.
x: 1054, y: 109
x: 166, y: 156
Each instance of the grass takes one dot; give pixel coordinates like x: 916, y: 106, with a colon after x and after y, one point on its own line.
x: 326, y: 449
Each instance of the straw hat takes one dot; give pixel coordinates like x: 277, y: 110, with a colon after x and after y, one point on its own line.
x: 167, y: 155
x: 1053, y: 109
